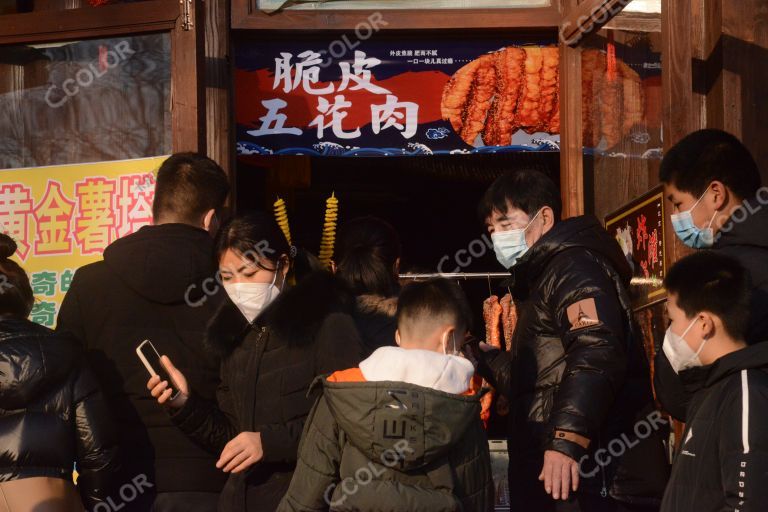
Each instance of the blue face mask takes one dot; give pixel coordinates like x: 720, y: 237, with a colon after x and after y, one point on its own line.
x: 690, y: 234
x: 510, y: 246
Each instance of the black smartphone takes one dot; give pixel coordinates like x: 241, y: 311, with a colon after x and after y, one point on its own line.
x: 151, y: 359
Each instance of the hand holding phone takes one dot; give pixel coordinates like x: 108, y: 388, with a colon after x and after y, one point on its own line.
x: 166, y: 383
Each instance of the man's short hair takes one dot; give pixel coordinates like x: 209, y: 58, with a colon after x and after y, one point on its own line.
x: 712, y: 282
x: 528, y: 190
x: 707, y: 155
x: 189, y: 185
x: 426, y: 302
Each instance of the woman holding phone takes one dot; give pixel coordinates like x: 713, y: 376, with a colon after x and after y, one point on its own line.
x: 274, y: 340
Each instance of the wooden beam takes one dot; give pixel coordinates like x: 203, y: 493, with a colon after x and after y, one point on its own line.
x: 107, y: 21
x: 635, y: 22
x: 246, y: 16
x: 587, y: 18
x: 187, y: 92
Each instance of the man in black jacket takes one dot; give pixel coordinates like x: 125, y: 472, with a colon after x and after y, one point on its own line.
x: 151, y: 285
x: 723, y: 461
x: 714, y: 183
x: 577, y: 379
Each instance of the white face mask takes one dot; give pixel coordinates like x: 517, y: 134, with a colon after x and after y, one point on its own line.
x: 511, y: 245
x: 252, y: 298
x: 681, y: 356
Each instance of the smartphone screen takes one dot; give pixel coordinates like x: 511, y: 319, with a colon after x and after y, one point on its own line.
x: 151, y: 359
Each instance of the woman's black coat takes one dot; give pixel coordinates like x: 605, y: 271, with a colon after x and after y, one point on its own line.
x: 52, y: 412
x: 267, y: 368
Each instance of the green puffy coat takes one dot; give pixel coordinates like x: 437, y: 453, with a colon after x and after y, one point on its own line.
x: 391, y: 446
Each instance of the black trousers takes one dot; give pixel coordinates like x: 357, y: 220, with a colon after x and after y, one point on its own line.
x: 186, y: 502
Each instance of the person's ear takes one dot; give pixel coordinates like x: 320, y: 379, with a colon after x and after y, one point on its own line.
x: 708, y: 325
x: 285, y: 265
x: 210, y: 222
x: 547, y: 219
x: 720, y: 194
x: 397, y: 337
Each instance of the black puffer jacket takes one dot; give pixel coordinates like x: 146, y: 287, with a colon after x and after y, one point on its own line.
x: 267, y: 368
x: 723, y: 462
x: 571, y: 371
x: 747, y: 242
x: 149, y: 287
x: 52, y: 413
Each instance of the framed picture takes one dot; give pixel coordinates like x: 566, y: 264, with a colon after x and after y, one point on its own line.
x: 639, y: 229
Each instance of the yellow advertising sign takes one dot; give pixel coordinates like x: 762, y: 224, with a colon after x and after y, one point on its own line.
x: 63, y: 217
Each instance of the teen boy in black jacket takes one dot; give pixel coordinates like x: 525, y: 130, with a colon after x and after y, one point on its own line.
x: 713, y: 183
x: 723, y: 461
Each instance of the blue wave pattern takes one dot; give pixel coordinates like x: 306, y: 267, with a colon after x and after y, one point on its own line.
x: 413, y: 149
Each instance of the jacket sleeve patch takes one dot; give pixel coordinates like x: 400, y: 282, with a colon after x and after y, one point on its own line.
x: 583, y: 314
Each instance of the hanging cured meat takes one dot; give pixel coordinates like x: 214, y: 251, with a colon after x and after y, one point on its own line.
x: 518, y: 88
x: 508, y: 324
x: 508, y: 320
x: 492, y: 316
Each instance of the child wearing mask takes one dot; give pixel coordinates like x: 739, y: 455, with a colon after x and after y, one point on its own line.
x: 273, y: 341
x: 723, y: 458
x: 402, y: 431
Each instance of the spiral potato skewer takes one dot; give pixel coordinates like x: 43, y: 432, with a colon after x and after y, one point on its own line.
x: 329, y: 230
x: 281, y: 215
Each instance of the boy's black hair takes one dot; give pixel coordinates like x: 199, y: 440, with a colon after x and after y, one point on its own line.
x: 434, y: 298
x: 189, y: 185
x: 526, y: 189
x: 713, y: 282
x: 707, y: 155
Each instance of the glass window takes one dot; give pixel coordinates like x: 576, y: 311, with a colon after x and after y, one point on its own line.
x: 269, y: 5
x: 85, y: 101
x: 621, y: 115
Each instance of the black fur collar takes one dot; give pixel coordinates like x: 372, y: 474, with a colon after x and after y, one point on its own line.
x: 294, y: 317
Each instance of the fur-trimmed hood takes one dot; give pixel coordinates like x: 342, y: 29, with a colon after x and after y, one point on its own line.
x: 294, y: 317
x: 368, y: 304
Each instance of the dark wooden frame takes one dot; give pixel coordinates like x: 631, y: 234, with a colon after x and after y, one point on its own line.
x: 245, y: 15
x: 187, y: 93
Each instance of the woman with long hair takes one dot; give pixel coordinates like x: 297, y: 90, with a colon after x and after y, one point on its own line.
x: 368, y: 261
x: 274, y: 340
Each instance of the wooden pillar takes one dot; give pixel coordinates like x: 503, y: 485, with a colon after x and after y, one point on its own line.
x: 218, y: 92
x: 571, y: 153
x: 187, y: 96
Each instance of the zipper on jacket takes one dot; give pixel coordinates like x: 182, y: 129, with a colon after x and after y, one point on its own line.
x: 604, y: 490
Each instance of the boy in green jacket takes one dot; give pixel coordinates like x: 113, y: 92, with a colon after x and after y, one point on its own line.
x: 402, y: 432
